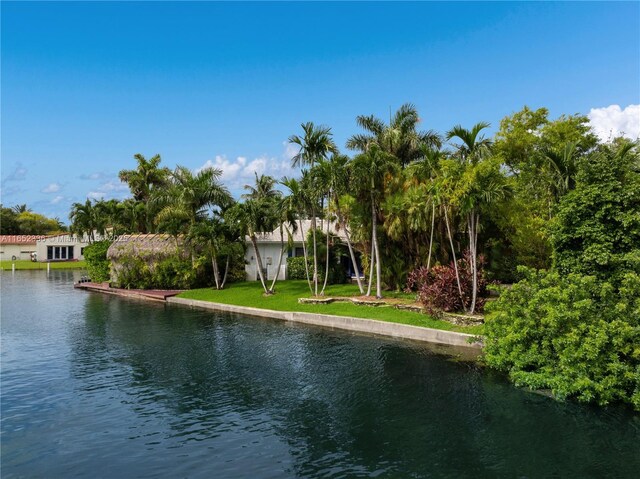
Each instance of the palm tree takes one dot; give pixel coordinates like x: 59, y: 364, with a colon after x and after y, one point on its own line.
x: 480, y: 184
x: 400, y: 138
x: 369, y: 171
x: 17, y: 209
x: 142, y: 182
x: 86, y: 219
x: 298, y: 200
x: 188, y: 196
x: 258, y: 214
x: 563, y: 165
x: 315, y: 145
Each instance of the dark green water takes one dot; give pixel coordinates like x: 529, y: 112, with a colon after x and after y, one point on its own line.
x: 100, y: 386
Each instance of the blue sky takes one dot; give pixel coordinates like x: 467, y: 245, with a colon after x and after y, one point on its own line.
x: 85, y: 86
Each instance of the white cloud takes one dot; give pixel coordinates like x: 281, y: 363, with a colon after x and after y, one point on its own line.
x: 93, y: 176
x: 236, y: 173
x: 109, y: 190
x: 612, y: 121
x: 96, y: 195
x: 57, y: 200
x: 290, y: 150
x: 51, y: 188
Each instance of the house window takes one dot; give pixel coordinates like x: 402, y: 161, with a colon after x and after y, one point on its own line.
x: 59, y: 252
x: 299, y: 252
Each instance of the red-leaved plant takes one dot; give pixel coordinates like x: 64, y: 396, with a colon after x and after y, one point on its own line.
x: 437, y: 288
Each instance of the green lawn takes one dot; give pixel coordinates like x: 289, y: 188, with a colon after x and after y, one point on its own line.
x: 288, y: 292
x: 26, y: 264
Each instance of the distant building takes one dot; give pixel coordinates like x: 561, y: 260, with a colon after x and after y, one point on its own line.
x: 269, y: 246
x: 16, y: 247
x: 62, y: 247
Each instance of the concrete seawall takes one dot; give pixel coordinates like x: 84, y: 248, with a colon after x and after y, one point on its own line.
x: 370, y: 326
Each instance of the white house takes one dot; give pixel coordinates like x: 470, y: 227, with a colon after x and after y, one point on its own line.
x: 269, y: 246
x: 16, y: 247
x: 62, y: 247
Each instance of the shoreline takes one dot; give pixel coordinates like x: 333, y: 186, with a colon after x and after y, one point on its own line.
x: 346, y: 323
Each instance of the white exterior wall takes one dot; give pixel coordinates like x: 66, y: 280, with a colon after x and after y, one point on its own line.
x: 20, y: 251
x: 269, y: 253
x: 63, y: 240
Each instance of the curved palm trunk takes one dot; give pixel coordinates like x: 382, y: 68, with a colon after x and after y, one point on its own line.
x: 315, y: 256
x: 377, y: 250
x: 226, y: 270
x: 306, y: 255
x: 282, y: 248
x: 216, y: 274
x: 373, y: 259
x: 326, y: 270
x: 453, y: 253
x: 353, y: 259
x: 259, y: 263
x: 433, y: 221
x: 472, y: 220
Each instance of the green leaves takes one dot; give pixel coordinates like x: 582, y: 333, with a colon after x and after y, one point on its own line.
x: 572, y: 334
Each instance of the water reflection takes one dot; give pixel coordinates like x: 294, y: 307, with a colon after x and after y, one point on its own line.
x: 150, y: 390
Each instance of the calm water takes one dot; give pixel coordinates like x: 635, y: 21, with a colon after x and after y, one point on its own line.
x: 100, y: 386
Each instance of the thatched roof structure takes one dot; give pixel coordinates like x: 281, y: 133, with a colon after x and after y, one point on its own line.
x: 146, y: 246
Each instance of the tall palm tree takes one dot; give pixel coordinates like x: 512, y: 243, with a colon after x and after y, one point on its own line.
x: 258, y: 214
x: 147, y: 177
x: 299, y: 201
x: 400, y: 138
x: 369, y: 171
x: 188, y: 195
x: 86, y: 219
x: 480, y: 184
x: 186, y: 200
x: 316, y: 144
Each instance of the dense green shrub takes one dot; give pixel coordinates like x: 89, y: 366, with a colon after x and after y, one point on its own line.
x: 173, y: 272
x: 295, y: 270
x: 597, y: 227
x: 574, y: 334
x: 97, y: 263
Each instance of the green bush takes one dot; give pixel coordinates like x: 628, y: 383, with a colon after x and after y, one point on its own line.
x: 597, y: 227
x: 173, y: 272
x: 97, y: 263
x: 295, y: 267
x: 574, y: 334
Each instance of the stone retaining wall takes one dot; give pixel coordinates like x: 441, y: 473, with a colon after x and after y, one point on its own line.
x: 370, y: 326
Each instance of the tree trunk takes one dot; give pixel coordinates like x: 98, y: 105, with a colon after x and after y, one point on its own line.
x: 306, y: 255
x: 373, y: 258
x: 377, y: 250
x: 455, y: 261
x: 353, y: 257
x: 226, y: 270
x: 259, y: 263
x: 433, y: 220
x: 326, y: 269
x: 273, y: 283
x: 473, y: 252
x: 315, y: 255
x: 216, y: 276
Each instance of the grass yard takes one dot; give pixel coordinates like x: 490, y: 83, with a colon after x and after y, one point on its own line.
x: 26, y: 264
x: 250, y: 293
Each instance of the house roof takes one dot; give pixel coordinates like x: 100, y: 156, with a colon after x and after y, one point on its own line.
x: 21, y: 239
x: 143, y: 245
x: 298, y: 236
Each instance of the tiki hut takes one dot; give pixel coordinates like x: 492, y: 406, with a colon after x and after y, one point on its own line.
x: 142, y: 251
